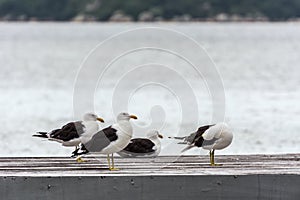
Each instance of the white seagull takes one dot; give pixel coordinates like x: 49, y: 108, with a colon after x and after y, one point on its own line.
x: 209, y: 137
x: 72, y: 133
x: 143, y: 147
x: 109, y: 140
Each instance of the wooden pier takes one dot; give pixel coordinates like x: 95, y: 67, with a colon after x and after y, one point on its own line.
x: 166, y: 177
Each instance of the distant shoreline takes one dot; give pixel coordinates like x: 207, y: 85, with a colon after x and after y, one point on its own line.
x: 141, y: 22
x: 150, y: 11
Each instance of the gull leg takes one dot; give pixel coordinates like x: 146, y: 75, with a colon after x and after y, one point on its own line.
x: 80, y: 160
x: 112, y: 160
x: 108, y: 161
x: 113, y: 163
x: 212, y: 158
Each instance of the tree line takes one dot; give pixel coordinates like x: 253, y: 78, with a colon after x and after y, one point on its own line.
x: 103, y: 10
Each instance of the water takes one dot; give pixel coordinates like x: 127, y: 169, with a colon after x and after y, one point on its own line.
x: 258, y: 63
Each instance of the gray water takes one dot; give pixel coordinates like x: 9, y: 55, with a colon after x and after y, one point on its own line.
x: 257, y: 62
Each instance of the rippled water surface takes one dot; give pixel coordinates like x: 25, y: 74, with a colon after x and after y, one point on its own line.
x: 258, y: 64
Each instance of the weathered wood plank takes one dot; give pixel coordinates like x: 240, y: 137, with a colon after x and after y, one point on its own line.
x: 179, y: 165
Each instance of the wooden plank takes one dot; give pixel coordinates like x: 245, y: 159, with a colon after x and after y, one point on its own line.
x: 164, y: 165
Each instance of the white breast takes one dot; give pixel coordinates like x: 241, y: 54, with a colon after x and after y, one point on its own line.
x: 91, y: 128
x: 157, y: 146
x: 124, y: 132
x: 221, y: 134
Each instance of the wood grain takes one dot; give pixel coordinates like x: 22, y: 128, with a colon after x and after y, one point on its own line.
x: 163, y: 165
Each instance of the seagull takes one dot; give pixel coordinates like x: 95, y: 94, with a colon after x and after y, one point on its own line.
x: 72, y: 133
x: 210, y: 137
x: 109, y: 140
x: 143, y: 147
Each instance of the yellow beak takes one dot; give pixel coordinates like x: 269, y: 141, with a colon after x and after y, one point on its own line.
x: 133, y: 116
x: 100, y: 119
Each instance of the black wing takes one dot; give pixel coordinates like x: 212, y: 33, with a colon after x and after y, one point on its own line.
x: 110, y: 133
x: 140, y: 145
x: 196, y: 138
x: 101, y: 139
x: 69, y: 131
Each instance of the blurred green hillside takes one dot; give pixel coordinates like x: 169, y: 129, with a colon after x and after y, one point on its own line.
x: 149, y: 10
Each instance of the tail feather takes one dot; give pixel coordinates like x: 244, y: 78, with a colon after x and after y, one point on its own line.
x: 80, y: 151
x: 177, y: 138
x: 41, y: 134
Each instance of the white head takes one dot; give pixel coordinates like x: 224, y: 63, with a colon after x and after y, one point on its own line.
x: 125, y: 116
x: 154, y: 134
x: 92, y: 117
